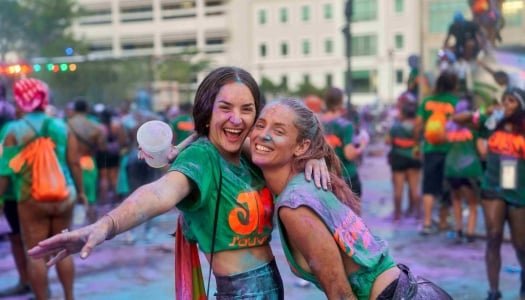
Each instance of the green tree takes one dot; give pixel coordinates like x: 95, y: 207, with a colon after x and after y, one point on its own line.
x: 36, y: 27
x: 306, y: 88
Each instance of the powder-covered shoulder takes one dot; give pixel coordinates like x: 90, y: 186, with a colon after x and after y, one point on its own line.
x: 298, y: 192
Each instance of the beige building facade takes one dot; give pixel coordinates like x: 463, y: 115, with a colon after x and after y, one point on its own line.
x: 286, y: 41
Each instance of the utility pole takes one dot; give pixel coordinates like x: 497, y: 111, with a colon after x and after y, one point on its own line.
x: 347, y: 32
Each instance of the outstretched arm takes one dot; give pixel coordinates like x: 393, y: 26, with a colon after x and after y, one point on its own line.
x: 145, y: 203
x: 311, y: 241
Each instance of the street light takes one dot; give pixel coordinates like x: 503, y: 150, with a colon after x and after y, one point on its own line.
x: 347, y: 32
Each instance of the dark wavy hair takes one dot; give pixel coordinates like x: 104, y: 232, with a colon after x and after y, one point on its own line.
x: 517, y: 119
x: 210, y: 87
x: 309, y: 128
x: 447, y: 82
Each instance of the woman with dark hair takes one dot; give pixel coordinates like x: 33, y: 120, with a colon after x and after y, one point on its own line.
x: 432, y: 115
x: 108, y: 159
x: 226, y: 206
x: 503, y: 184
x: 324, y: 239
x: 405, y: 158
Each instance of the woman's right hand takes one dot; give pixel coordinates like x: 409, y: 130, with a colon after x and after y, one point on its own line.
x: 81, y: 240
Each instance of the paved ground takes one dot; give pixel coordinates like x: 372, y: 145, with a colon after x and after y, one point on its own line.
x: 144, y: 270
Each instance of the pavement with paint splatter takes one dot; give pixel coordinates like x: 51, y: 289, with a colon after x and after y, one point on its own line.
x: 144, y: 269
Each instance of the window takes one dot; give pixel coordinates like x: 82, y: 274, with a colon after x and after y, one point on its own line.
x: 329, y: 80
x: 306, y: 78
x: 399, y: 41
x: 364, y: 45
x: 399, y: 76
x: 96, y: 16
x: 214, y: 45
x: 184, y: 44
x: 513, y: 13
x: 305, y: 13
x: 327, y: 11
x: 283, y: 15
x: 363, y: 81
x: 306, y: 47
x: 441, y: 14
x: 136, y: 13
x: 284, y: 49
x: 328, y: 46
x: 143, y: 45
x: 178, y: 10
x: 284, y: 82
x: 364, y: 10
x: 262, y: 50
x: 399, y: 6
x: 262, y: 17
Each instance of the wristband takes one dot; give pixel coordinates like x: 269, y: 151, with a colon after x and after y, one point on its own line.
x: 113, y: 230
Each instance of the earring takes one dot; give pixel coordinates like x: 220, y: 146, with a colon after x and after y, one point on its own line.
x: 207, y: 125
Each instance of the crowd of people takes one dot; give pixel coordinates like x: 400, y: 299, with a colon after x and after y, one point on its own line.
x: 252, y: 165
x: 467, y: 145
x: 96, y: 149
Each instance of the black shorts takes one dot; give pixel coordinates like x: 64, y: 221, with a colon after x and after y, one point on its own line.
x: 433, y: 173
x: 11, y: 215
x: 491, y: 195
x: 107, y: 160
x: 400, y: 163
x: 457, y: 183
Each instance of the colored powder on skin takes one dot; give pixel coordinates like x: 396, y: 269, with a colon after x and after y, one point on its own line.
x: 249, y: 260
x: 278, y: 139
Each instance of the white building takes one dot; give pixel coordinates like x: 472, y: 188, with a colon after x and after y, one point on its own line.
x: 288, y: 41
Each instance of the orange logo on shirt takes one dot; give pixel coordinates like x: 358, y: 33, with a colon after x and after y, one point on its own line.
x: 462, y: 135
x: 438, y: 106
x: 254, y: 214
x: 333, y: 140
x: 404, y: 143
x: 186, y: 126
x: 506, y: 143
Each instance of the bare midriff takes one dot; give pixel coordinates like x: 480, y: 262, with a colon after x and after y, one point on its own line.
x: 240, y: 260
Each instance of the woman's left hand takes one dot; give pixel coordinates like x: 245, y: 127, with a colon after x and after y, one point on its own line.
x: 319, y: 170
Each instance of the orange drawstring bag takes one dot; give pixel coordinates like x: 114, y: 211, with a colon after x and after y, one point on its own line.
x: 48, y: 182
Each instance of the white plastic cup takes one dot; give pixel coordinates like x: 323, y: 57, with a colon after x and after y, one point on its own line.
x: 154, y: 138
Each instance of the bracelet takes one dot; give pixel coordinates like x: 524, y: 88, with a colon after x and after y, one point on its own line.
x: 114, y: 227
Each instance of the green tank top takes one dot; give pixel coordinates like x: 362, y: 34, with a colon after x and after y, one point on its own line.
x: 348, y: 230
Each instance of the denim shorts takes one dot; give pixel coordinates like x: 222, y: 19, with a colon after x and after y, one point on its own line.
x: 262, y: 283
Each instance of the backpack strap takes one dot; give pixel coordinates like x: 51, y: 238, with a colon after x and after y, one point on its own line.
x: 37, y: 133
x: 80, y: 137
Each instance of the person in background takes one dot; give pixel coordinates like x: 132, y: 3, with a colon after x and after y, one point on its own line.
x: 324, y: 239
x: 439, y: 107
x: 405, y: 158
x: 7, y: 115
x: 108, y: 158
x: 339, y: 133
x: 91, y: 139
x: 40, y: 220
x: 463, y: 171
x: 213, y: 186
x: 467, y: 37
x: 183, y: 125
x: 503, y: 184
